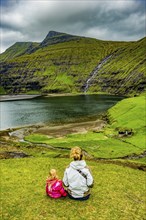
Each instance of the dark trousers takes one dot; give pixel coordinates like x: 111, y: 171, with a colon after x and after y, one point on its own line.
x: 80, y: 199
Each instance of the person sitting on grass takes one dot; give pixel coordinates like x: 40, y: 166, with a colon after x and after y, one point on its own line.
x: 77, y: 177
x: 54, y: 186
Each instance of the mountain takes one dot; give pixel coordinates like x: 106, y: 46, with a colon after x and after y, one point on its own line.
x: 54, y: 37
x: 64, y: 63
x: 18, y: 49
x: 125, y: 72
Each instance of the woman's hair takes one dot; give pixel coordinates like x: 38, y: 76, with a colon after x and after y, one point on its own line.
x: 53, y: 174
x: 76, y: 153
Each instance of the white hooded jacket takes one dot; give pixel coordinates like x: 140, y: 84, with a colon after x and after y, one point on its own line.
x: 78, y: 185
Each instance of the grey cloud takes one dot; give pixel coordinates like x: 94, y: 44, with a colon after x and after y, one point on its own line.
x: 107, y: 20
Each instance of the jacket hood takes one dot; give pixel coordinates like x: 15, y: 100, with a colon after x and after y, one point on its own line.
x: 78, y: 164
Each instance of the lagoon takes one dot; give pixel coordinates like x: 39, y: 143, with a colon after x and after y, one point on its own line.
x: 56, y: 109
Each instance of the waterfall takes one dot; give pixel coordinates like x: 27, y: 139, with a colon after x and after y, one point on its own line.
x: 94, y: 72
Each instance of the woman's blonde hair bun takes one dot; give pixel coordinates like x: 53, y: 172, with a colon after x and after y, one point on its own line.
x: 76, y: 153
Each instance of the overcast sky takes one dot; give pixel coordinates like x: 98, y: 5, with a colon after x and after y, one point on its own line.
x: 31, y: 20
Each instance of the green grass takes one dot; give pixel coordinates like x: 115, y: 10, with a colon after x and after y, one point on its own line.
x: 18, y: 49
x: 141, y: 160
x: 129, y: 113
x: 118, y: 192
x: 96, y: 144
x: 62, y: 83
x: 31, y: 150
x: 2, y: 91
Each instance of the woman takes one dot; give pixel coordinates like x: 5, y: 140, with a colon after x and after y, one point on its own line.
x: 77, y: 177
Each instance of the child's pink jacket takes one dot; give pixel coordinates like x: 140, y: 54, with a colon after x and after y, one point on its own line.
x: 54, y: 188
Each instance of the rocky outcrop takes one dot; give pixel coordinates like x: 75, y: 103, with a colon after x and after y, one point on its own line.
x: 13, y: 154
x: 54, y: 37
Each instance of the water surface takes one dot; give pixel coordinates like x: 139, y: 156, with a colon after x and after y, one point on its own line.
x: 54, y: 109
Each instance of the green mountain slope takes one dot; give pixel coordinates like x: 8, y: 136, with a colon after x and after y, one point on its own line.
x: 18, y: 49
x: 63, y: 63
x: 127, y: 71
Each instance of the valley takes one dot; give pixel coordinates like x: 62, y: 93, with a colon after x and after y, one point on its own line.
x: 65, y: 68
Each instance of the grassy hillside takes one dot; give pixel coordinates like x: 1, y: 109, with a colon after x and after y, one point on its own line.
x: 63, y: 63
x: 127, y: 70
x: 129, y: 113
x: 118, y: 192
x: 17, y: 49
x: 131, y: 116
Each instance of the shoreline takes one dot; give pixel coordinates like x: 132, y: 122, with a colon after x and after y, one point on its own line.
x: 89, y: 119
x: 17, y: 97
x: 26, y: 96
x: 77, y: 94
x: 55, y: 125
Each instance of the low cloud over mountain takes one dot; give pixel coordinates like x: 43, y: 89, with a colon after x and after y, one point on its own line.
x: 107, y: 20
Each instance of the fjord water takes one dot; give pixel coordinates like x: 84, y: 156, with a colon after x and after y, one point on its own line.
x: 54, y: 109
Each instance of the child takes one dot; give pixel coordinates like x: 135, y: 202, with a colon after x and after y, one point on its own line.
x: 54, y: 187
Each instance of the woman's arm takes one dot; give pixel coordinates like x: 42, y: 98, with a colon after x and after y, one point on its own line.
x: 90, y: 180
x: 65, y: 179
